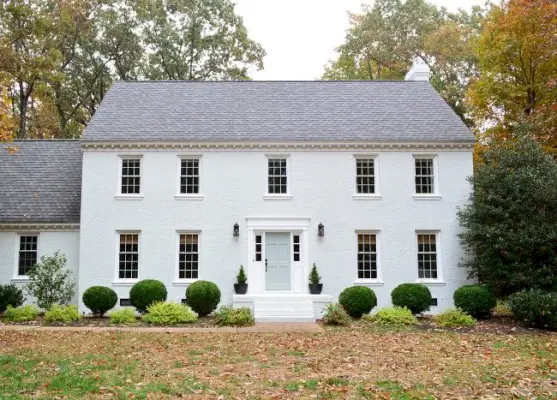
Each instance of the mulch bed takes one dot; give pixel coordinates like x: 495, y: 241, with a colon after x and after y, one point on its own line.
x: 96, y: 322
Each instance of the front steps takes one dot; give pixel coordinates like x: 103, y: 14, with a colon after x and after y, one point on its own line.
x: 283, y: 307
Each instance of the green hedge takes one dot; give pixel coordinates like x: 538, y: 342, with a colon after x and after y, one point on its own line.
x: 535, y: 307
x: 415, y: 297
x: 478, y: 301
x: 203, y: 297
x: 357, y: 300
x: 146, y: 292
x: 99, y: 299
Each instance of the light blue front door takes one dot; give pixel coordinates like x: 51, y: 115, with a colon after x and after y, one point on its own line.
x: 277, y: 261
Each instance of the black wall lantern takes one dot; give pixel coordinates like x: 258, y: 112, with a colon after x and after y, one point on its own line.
x: 320, y: 230
x: 236, y: 230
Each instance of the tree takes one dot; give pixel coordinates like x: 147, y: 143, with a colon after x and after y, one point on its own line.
x: 510, y: 224
x: 518, y: 69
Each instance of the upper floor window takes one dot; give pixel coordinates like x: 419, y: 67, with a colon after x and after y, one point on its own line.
x: 277, y: 178
x: 425, y: 175
x: 367, y: 256
x: 27, y: 254
x: 131, y: 176
x: 189, y: 176
x: 188, y: 256
x: 128, y: 256
x: 365, y: 175
x: 427, y: 256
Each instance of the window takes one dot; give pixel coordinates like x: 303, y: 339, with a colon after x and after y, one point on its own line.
x: 188, y: 256
x: 424, y: 176
x: 131, y: 179
x: 367, y: 256
x: 258, y: 248
x: 125, y: 303
x: 296, y: 247
x: 365, y: 176
x: 189, y: 176
x: 277, y: 179
x: 427, y: 256
x: 128, y: 261
x: 27, y: 254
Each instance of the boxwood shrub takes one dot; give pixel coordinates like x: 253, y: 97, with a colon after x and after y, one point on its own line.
x: 146, y: 292
x: 99, y: 299
x: 10, y: 295
x: 478, y: 301
x: 535, y: 307
x: 395, y: 316
x: 415, y: 297
x: 357, y: 300
x: 168, y: 313
x: 203, y: 297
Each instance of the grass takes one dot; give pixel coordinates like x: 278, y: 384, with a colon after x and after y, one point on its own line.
x: 355, y: 362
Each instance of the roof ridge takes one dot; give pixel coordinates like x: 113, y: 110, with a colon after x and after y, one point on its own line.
x: 41, y: 140
x: 268, y: 81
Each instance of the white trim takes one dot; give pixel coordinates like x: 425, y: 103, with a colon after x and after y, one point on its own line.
x: 366, y: 197
x: 42, y: 227
x: 376, y: 195
x: 184, y: 282
x: 278, y: 196
x: 189, y: 196
x: 439, y: 281
x: 436, y: 195
x: 426, y: 197
x: 130, y: 281
x: 129, y: 196
x: 16, y: 276
x: 379, y: 280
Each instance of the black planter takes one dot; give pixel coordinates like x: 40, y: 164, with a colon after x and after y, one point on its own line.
x: 240, y: 288
x: 315, y: 288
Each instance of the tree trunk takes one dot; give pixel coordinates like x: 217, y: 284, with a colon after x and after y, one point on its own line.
x: 23, y: 99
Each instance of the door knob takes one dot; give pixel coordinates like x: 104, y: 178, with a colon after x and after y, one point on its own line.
x: 265, y: 265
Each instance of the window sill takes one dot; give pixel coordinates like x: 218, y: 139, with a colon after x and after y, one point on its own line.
x: 21, y: 279
x: 277, y: 197
x: 129, y: 197
x: 189, y: 197
x: 367, y: 197
x: 426, y: 197
x: 125, y: 283
x: 431, y: 283
x: 368, y: 282
x: 184, y: 282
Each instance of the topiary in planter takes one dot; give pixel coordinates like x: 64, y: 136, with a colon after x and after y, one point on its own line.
x: 146, y: 292
x: 357, y: 300
x: 203, y: 297
x: 99, y: 299
x: 478, y: 301
x: 415, y: 297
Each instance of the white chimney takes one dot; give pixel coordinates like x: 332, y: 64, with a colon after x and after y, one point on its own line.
x: 419, y: 72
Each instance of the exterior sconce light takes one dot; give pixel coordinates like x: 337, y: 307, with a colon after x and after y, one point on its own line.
x: 320, y: 230
x: 236, y: 230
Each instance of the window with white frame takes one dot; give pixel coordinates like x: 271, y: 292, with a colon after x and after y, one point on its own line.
x: 258, y: 247
x: 128, y: 257
x: 365, y: 175
x: 425, y: 175
x: 277, y: 176
x: 189, y: 176
x: 427, y: 256
x: 296, y: 248
x: 27, y: 254
x: 131, y: 176
x: 367, y: 256
x: 188, y: 256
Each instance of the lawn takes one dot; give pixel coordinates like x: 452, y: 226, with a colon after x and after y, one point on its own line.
x: 359, y: 362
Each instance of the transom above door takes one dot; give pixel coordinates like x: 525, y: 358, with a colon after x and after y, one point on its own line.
x: 277, y: 261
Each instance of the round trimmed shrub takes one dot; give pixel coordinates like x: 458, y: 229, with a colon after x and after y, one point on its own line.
x: 10, y: 295
x: 357, y: 300
x: 415, y: 297
x: 475, y: 300
x: 99, y: 299
x: 203, y: 297
x: 146, y: 292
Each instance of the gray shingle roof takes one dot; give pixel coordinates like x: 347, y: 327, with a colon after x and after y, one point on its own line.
x: 275, y: 112
x: 41, y: 182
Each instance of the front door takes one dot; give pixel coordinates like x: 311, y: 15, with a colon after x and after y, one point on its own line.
x: 277, y: 261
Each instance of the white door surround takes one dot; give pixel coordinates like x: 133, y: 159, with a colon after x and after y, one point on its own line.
x: 299, y: 270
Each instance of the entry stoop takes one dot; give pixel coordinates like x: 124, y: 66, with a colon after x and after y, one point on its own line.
x: 287, y: 307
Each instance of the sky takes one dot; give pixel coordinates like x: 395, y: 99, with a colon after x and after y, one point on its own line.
x: 300, y: 35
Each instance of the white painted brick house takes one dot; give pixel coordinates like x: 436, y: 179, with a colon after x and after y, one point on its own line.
x: 166, y: 170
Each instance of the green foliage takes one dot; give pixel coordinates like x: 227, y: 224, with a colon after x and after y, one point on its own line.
x: 99, y: 299
x: 335, y: 314
x: 454, y: 318
x: 203, y: 297
x: 357, y: 300
x: 414, y: 296
x: 314, y: 277
x: 122, y: 316
x: 146, y: 292
x: 50, y: 282
x: 168, y: 313
x: 396, y: 316
x: 21, y: 314
x: 228, y: 316
x: 241, y: 278
x: 10, y: 295
x: 535, y: 307
x: 502, y: 309
x: 475, y: 300
x: 510, y: 223
x: 64, y: 314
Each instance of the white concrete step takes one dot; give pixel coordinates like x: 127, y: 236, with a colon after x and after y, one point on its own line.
x: 269, y: 312
x: 284, y: 305
x: 285, y: 319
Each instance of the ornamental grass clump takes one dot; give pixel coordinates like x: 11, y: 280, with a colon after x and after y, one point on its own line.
x: 454, y: 318
x: 122, y: 316
x: 228, y: 316
x: 22, y: 314
x: 335, y: 314
x: 169, y: 313
x: 395, y: 316
x: 63, y: 314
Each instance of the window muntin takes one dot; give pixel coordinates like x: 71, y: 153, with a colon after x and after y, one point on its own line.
x: 128, y: 257
x: 296, y: 247
x: 367, y: 256
x: 277, y: 177
x: 425, y: 175
x: 27, y: 254
x: 365, y: 176
x: 188, y: 256
x: 131, y: 176
x: 189, y: 176
x: 427, y: 256
x: 258, y: 248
